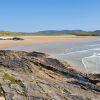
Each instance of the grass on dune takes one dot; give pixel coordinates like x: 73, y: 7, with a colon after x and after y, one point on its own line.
x: 28, y: 34
x: 54, y: 34
x: 13, y: 34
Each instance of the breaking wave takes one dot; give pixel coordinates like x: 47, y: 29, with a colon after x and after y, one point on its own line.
x: 92, y: 63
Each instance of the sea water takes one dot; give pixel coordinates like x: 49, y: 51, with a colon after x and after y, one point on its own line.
x: 84, y: 56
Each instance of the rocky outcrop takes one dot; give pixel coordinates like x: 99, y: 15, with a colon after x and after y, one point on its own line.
x: 36, y: 76
x: 14, y: 38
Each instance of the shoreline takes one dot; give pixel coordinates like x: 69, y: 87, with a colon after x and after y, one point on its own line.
x: 33, y: 40
x: 33, y: 73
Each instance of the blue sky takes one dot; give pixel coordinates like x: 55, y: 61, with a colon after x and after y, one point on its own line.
x: 36, y: 15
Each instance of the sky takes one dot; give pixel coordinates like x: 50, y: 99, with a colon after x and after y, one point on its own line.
x: 38, y: 15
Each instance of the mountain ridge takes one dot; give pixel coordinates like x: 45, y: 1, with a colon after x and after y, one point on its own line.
x: 54, y: 32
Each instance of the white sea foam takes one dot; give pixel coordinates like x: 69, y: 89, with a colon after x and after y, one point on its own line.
x: 85, y: 56
x: 85, y: 50
x: 90, y: 59
x: 94, y: 45
x: 92, y: 63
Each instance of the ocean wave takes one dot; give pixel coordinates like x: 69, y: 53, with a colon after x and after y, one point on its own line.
x: 90, y: 59
x: 94, y: 45
x: 85, y: 50
x: 92, y: 63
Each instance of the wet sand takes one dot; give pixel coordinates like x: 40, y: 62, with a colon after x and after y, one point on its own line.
x: 31, y: 40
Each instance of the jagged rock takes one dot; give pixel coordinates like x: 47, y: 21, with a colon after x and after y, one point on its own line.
x: 35, y: 76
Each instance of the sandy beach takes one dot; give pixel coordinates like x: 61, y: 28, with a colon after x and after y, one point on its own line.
x: 31, y: 40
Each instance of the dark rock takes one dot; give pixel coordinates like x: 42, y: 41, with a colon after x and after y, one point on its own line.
x: 35, y: 76
x: 17, y: 38
x: 14, y: 38
x: 87, y: 85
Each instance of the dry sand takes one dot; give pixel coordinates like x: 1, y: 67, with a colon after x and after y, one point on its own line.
x: 31, y: 40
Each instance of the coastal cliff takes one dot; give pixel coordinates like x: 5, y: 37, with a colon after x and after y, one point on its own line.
x: 36, y: 76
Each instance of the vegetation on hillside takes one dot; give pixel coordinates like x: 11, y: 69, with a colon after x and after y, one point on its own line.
x: 54, y: 34
x: 13, y: 34
x: 87, y: 34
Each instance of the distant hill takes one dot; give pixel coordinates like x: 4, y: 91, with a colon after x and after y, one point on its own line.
x: 97, y: 31
x: 73, y: 32
x: 53, y: 32
x: 59, y: 31
x: 92, y: 33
